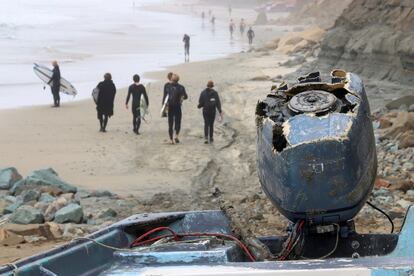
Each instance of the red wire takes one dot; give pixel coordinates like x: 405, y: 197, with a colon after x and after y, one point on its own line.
x: 139, y: 241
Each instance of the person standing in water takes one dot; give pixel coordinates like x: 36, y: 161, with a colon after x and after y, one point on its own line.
x: 213, y: 20
x: 203, y: 15
x: 231, y: 28
x: 250, y: 35
x: 55, y: 83
x: 176, y: 95
x: 242, y: 27
x: 210, y: 102
x: 137, y: 91
x: 186, y: 40
x: 105, y: 102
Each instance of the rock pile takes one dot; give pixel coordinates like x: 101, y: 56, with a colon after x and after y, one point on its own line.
x: 42, y: 207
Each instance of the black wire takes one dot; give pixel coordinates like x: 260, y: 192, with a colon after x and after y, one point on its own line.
x: 385, y: 214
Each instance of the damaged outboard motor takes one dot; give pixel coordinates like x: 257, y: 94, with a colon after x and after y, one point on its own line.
x: 316, y: 148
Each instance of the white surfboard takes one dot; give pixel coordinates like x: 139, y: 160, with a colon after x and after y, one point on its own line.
x: 143, y: 108
x: 45, y: 74
x: 164, y: 107
x: 95, y: 94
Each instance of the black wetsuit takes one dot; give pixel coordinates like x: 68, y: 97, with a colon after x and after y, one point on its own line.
x: 105, y: 103
x: 55, y: 87
x: 137, y: 91
x: 176, y: 94
x: 186, y: 41
x: 209, y: 101
x: 250, y: 35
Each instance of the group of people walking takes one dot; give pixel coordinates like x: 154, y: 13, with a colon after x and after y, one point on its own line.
x: 174, y: 95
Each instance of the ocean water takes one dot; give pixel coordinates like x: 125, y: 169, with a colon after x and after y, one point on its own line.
x: 91, y: 37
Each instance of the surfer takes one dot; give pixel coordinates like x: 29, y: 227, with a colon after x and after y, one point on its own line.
x: 105, y: 102
x: 55, y: 83
x: 186, y: 40
x: 231, y: 28
x: 209, y: 101
x: 176, y: 95
x: 166, y: 85
x: 137, y: 90
x: 242, y: 26
x: 250, y: 35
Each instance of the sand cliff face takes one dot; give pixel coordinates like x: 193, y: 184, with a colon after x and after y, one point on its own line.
x: 374, y: 38
x: 322, y: 13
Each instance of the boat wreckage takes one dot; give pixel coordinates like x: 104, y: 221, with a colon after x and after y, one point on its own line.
x: 317, y: 163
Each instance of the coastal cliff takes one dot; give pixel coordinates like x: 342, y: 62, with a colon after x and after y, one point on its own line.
x: 374, y: 38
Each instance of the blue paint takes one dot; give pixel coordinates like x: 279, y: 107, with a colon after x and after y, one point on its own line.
x: 405, y: 245
x: 333, y: 126
x: 408, y: 271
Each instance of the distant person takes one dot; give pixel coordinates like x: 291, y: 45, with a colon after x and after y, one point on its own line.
x: 55, y: 84
x: 203, y: 15
x: 250, y: 35
x: 137, y: 91
x: 213, y: 20
x: 242, y: 26
x: 176, y: 95
x: 186, y: 40
x: 105, y: 102
x: 209, y: 13
x: 231, y: 27
x: 230, y: 10
x: 209, y: 101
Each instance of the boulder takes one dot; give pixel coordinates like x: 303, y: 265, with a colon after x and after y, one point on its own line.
x: 8, y: 177
x: 45, y: 180
x: 108, y: 213
x: 70, y: 213
x: 54, y: 207
x: 9, y: 239
x: 46, y: 198
x: 402, y: 185
x: 30, y: 195
x: 101, y: 194
x: 26, y: 215
x: 396, y: 104
x: 13, y: 207
x: 48, y: 230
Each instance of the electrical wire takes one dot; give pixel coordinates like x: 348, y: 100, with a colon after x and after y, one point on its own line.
x: 385, y: 214
x: 140, y: 240
x: 336, y: 243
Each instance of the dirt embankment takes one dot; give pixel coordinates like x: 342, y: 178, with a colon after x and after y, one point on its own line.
x: 374, y: 38
x: 321, y: 13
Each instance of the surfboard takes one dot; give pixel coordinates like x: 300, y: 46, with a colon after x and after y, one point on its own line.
x: 95, y: 94
x: 164, y: 108
x: 143, y: 108
x: 45, y: 74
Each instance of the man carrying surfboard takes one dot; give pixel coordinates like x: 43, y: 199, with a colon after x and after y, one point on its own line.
x: 176, y: 94
x: 137, y: 90
x: 55, y: 83
x: 210, y: 102
x: 164, y: 103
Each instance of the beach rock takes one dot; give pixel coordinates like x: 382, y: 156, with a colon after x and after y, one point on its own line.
x: 107, y: 213
x: 8, y: 177
x: 402, y: 185
x: 298, y: 60
x: 45, y: 180
x: 46, y: 198
x: 13, y: 207
x: 81, y: 194
x: 404, y: 203
x: 70, y: 213
x: 41, y: 206
x: 9, y: 239
x: 406, y: 139
x: 381, y: 183
x: 54, y: 207
x: 101, y: 194
x: 26, y: 215
x: 30, y: 195
x: 3, y: 205
x: 34, y: 239
x: 396, y: 104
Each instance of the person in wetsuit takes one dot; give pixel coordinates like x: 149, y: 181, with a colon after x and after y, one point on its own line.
x: 55, y: 84
x: 166, y: 85
x: 210, y: 102
x: 186, y: 40
x: 105, y: 102
x: 250, y: 35
x: 242, y: 26
x: 231, y: 28
x: 176, y: 95
x: 137, y: 91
